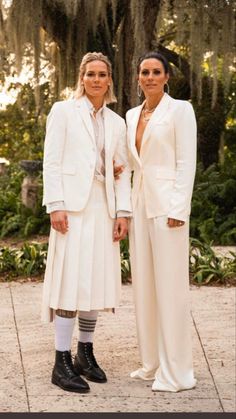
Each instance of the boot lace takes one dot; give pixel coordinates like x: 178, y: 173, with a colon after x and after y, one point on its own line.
x: 88, y: 349
x: 67, y: 362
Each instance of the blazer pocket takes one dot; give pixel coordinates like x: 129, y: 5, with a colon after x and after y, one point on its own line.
x: 166, y: 174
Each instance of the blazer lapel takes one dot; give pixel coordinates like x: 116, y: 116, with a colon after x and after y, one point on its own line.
x: 132, y: 133
x: 83, y: 110
x: 108, y: 127
x: 157, y: 115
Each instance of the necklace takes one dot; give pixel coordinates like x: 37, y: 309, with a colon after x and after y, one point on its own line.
x: 145, y: 111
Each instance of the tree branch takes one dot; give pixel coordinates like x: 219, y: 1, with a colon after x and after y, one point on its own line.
x: 176, y: 59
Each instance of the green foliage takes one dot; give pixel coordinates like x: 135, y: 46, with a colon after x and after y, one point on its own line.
x: 30, y: 259
x: 22, y: 125
x: 207, y: 267
x: 125, y: 260
x: 15, y: 218
x: 210, y: 122
x: 213, y: 217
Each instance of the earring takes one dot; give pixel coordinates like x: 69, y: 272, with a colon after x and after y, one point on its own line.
x: 139, y: 91
x: 167, y: 88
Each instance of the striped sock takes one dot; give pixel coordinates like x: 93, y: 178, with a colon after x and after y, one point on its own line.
x: 87, y: 323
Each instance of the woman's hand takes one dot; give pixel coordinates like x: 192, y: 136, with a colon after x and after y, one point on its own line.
x: 172, y: 222
x: 59, y: 221
x: 120, y: 229
x: 117, y: 170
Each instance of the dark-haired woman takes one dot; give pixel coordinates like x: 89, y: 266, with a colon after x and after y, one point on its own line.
x: 162, y: 143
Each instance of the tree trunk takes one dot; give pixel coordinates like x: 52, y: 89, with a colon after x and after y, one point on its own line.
x: 135, y: 42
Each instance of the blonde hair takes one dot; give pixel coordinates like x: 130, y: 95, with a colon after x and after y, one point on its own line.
x: 87, y: 58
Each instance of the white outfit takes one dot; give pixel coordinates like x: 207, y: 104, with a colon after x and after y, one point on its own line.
x: 162, y: 187
x: 83, y: 265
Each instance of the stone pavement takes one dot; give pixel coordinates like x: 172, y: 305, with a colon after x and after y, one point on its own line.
x: 27, y: 356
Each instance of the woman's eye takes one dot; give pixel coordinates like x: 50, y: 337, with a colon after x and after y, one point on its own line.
x: 90, y: 74
x: 156, y: 72
x: 145, y: 72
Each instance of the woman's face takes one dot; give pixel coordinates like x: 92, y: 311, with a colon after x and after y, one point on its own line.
x: 152, y: 77
x: 96, y: 79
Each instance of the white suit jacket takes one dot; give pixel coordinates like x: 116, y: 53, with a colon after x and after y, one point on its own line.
x: 167, y: 161
x: 70, y: 157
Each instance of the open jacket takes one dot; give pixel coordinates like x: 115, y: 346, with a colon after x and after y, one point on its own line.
x: 167, y: 161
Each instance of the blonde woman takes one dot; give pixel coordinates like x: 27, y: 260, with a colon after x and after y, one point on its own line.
x: 88, y: 213
x: 162, y: 143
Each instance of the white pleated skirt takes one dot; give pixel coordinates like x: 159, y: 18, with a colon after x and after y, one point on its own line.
x: 83, y: 266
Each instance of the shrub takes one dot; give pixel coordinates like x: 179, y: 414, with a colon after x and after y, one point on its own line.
x: 125, y: 261
x: 30, y: 259
x: 208, y: 267
x: 205, y: 266
x: 213, y: 217
x: 15, y: 218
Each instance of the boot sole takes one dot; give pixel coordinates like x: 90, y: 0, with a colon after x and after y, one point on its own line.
x: 80, y: 371
x: 71, y: 390
x: 93, y: 379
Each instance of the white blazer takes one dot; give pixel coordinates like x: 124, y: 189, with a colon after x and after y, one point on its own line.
x: 70, y: 157
x: 167, y: 161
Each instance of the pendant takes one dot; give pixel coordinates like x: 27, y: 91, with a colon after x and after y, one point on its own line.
x: 146, y: 119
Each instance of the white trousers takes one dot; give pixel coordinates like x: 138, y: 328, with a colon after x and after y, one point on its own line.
x: 159, y: 263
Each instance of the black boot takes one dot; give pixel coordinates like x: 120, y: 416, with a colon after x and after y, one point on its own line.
x: 86, y: 364
x: 64, y: 376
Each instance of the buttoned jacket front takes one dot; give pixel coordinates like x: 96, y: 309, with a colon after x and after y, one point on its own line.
x: 167, y: 161
x: 70, y: 157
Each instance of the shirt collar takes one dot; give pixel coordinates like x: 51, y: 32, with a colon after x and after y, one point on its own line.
x: 91, y: 107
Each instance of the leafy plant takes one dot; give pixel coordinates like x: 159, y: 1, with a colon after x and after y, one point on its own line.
x: 30, y: 259
x: 208, y: 267
x: 205, y: 266
x: 22, y: 124
x: 125, y: 260
x: 213, y: 217
x: 15, y: 218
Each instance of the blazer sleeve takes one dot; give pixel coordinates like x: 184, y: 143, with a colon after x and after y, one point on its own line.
x: 123, y: 184
x: 186, y: 151
x: 53, y: 153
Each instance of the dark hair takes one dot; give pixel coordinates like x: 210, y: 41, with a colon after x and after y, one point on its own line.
x: 157, y: 56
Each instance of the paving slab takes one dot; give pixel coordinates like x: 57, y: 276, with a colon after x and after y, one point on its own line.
x: 13, y: 397
x: 27, y: 352
x: 215, y: 323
